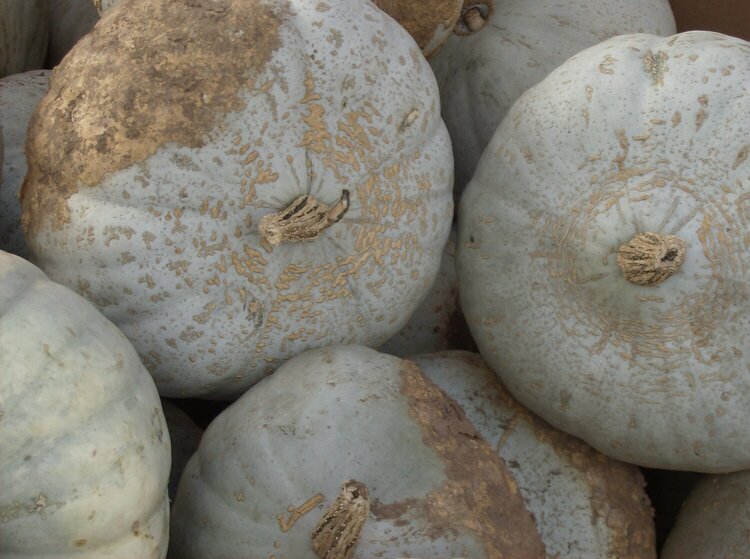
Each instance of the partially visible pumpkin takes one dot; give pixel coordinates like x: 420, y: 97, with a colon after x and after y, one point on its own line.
x: 424, y: 482
x: 231, y: 202
x: 84, y: 449
x: 69, y: 20
x: 105, y: 5
x: 19, y: 96
x: 604, y: 244
x: 430, y: 22
x: 24, y: 32
x: 714, y: 522
x: 585, y: 504
x: 438, y: 323
x: 482, y: 74
x: 184, y: 435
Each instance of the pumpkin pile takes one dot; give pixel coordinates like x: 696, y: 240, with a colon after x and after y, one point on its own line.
x: 239, y: 215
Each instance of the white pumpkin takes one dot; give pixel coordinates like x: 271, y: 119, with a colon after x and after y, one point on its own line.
x: 585, y: 504
x: 229, y: 203
x: 69, y: 20
x: 84, y: 450
x: 438, y: 323
x: 19, y: 96
x: 184, y: 435
x: 481, y: 75
x: 626, y: 166
x: 24, y: 31
x: 714, y: 522
x: 270, y: 467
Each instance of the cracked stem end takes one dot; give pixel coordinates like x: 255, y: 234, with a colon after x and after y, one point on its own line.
x: 303, y: 220
x: 337, y: 532
x: 650, y: 258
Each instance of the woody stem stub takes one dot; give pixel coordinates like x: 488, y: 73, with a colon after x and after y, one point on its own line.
x: 337, y: 532
x: 650, y: 258
x: 303, y: 220
x: 473, y: 17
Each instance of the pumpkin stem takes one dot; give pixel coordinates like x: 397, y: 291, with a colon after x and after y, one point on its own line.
x: 473, y: 18
x: 303, y: 220
x: 337, y: 532
x: 650, y: 258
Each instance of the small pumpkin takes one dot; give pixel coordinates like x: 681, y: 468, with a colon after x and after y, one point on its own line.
x: 24, y: 32
x: 603, y: 244
x: 19, y: 96
x: 481, y: 74
x: 349, y: 453
x: 84, y: 450
x: 713, y: 521
x: 585, y: 504
x: 282, y: 201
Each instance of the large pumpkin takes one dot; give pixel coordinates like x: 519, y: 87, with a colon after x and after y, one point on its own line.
x: 603, y: 249
x: 481, y: 75
x: 231, y: 202
x: 84, y: 450
x: 19, y: 96
x: 418, y: 478
x: 586, y: 506
x: 714, y: 521
x: 24, y: 31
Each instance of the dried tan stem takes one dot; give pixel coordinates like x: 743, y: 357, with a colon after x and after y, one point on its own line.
x: 303, y: 220
x: 474, y: 20
x: 650, y: 258
x: 473, y: 17
x: 337, y: 532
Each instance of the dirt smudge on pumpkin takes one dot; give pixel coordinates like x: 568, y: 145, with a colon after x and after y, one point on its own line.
x: 149, y: 74
x: 480, y: 495
x: 423, y: 19
x: 616, y: 489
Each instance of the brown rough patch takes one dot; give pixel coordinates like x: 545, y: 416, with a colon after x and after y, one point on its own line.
x: 617, y: 494
x: 655, y: 65
x: 154, y: 73
x: 480, y: 495
x: 423, y: 19
x: 391, y: 511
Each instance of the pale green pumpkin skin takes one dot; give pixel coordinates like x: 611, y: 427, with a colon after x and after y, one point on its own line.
x: 84, y: 449
x: 19, y: 96
x: 713, y: 522
x: 638, y: 134
x: 481, y: 74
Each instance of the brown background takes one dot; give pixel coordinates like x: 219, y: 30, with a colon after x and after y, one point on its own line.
x: 731, y: 17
